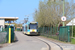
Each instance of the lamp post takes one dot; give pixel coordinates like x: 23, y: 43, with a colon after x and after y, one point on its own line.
x: 20, y: 26
x: 63, y: 10
x: 25, y: 21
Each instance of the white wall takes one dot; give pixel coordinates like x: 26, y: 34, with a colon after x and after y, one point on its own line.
x: 2, y: 22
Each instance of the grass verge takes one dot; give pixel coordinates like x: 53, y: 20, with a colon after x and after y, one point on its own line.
x: 72, y: 41
x: 56, y: 39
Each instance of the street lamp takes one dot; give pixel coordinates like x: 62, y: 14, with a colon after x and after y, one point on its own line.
x: 25, y: 21
x: 26, y: 18
x: 63, y: 6
x: 63, y: 10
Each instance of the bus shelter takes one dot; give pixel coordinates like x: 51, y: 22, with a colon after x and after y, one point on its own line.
x: 7, y: 34
x: 4, y: 19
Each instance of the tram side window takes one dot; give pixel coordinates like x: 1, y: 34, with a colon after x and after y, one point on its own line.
x: 26, y: 28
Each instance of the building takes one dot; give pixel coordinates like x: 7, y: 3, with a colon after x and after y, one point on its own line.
x: 3, y: 19
x: 72, y: 22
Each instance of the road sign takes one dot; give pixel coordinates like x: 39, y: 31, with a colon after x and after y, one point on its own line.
x: 63, y: 18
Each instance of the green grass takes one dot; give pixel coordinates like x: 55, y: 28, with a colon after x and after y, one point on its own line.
x: 74, y: 35
x: 73, y: 41
x: 52, y: 36
x: 56, y: 38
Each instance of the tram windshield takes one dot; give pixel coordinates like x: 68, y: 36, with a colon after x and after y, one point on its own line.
x: 33, y: 26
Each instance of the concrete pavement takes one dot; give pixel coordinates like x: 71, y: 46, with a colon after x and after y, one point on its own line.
x: 26, y: 43
x: 34, y: 43
x: 52, y: 45
x: 65, y: 46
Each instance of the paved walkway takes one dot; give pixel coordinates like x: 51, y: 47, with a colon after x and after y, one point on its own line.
x: 26, y: 43
x: 65, y: 46
x: 32, y: 43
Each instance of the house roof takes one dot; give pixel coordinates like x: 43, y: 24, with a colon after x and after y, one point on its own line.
x: 72, y: 22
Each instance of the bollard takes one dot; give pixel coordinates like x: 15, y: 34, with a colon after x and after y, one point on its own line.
x: 9, y: 34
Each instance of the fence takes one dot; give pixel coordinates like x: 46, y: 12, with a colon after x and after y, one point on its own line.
x: 64, y: 34
x: 12, y: 33
x: 72, y: 31
x: 53, y: 32
x: 3, y: 35
x: 19, y: 29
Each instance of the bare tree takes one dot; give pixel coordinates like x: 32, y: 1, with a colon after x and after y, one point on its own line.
x: 50, y: 13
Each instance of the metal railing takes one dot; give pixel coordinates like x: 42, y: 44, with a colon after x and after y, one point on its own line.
x: 61, y: 33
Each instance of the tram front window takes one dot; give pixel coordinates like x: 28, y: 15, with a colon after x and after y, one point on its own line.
x: 33, y: 26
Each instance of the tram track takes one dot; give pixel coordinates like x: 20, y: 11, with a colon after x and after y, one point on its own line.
x: 49, y: 47
x: 48, y: 44
x: 57, y: 45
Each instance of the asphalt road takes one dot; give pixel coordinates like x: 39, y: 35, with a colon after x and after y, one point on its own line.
x: 34, y: 43
x: 26, y: 43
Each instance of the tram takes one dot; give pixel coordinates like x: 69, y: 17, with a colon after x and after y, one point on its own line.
x: 31, y: 28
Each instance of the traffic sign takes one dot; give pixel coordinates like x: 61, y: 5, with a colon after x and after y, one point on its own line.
x: 63, y: 18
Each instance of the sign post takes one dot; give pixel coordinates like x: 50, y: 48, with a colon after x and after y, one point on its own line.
x: 63, y: 18
x: 63, y: 10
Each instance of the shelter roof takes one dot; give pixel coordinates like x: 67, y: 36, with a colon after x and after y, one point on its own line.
x: 9, y: 18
